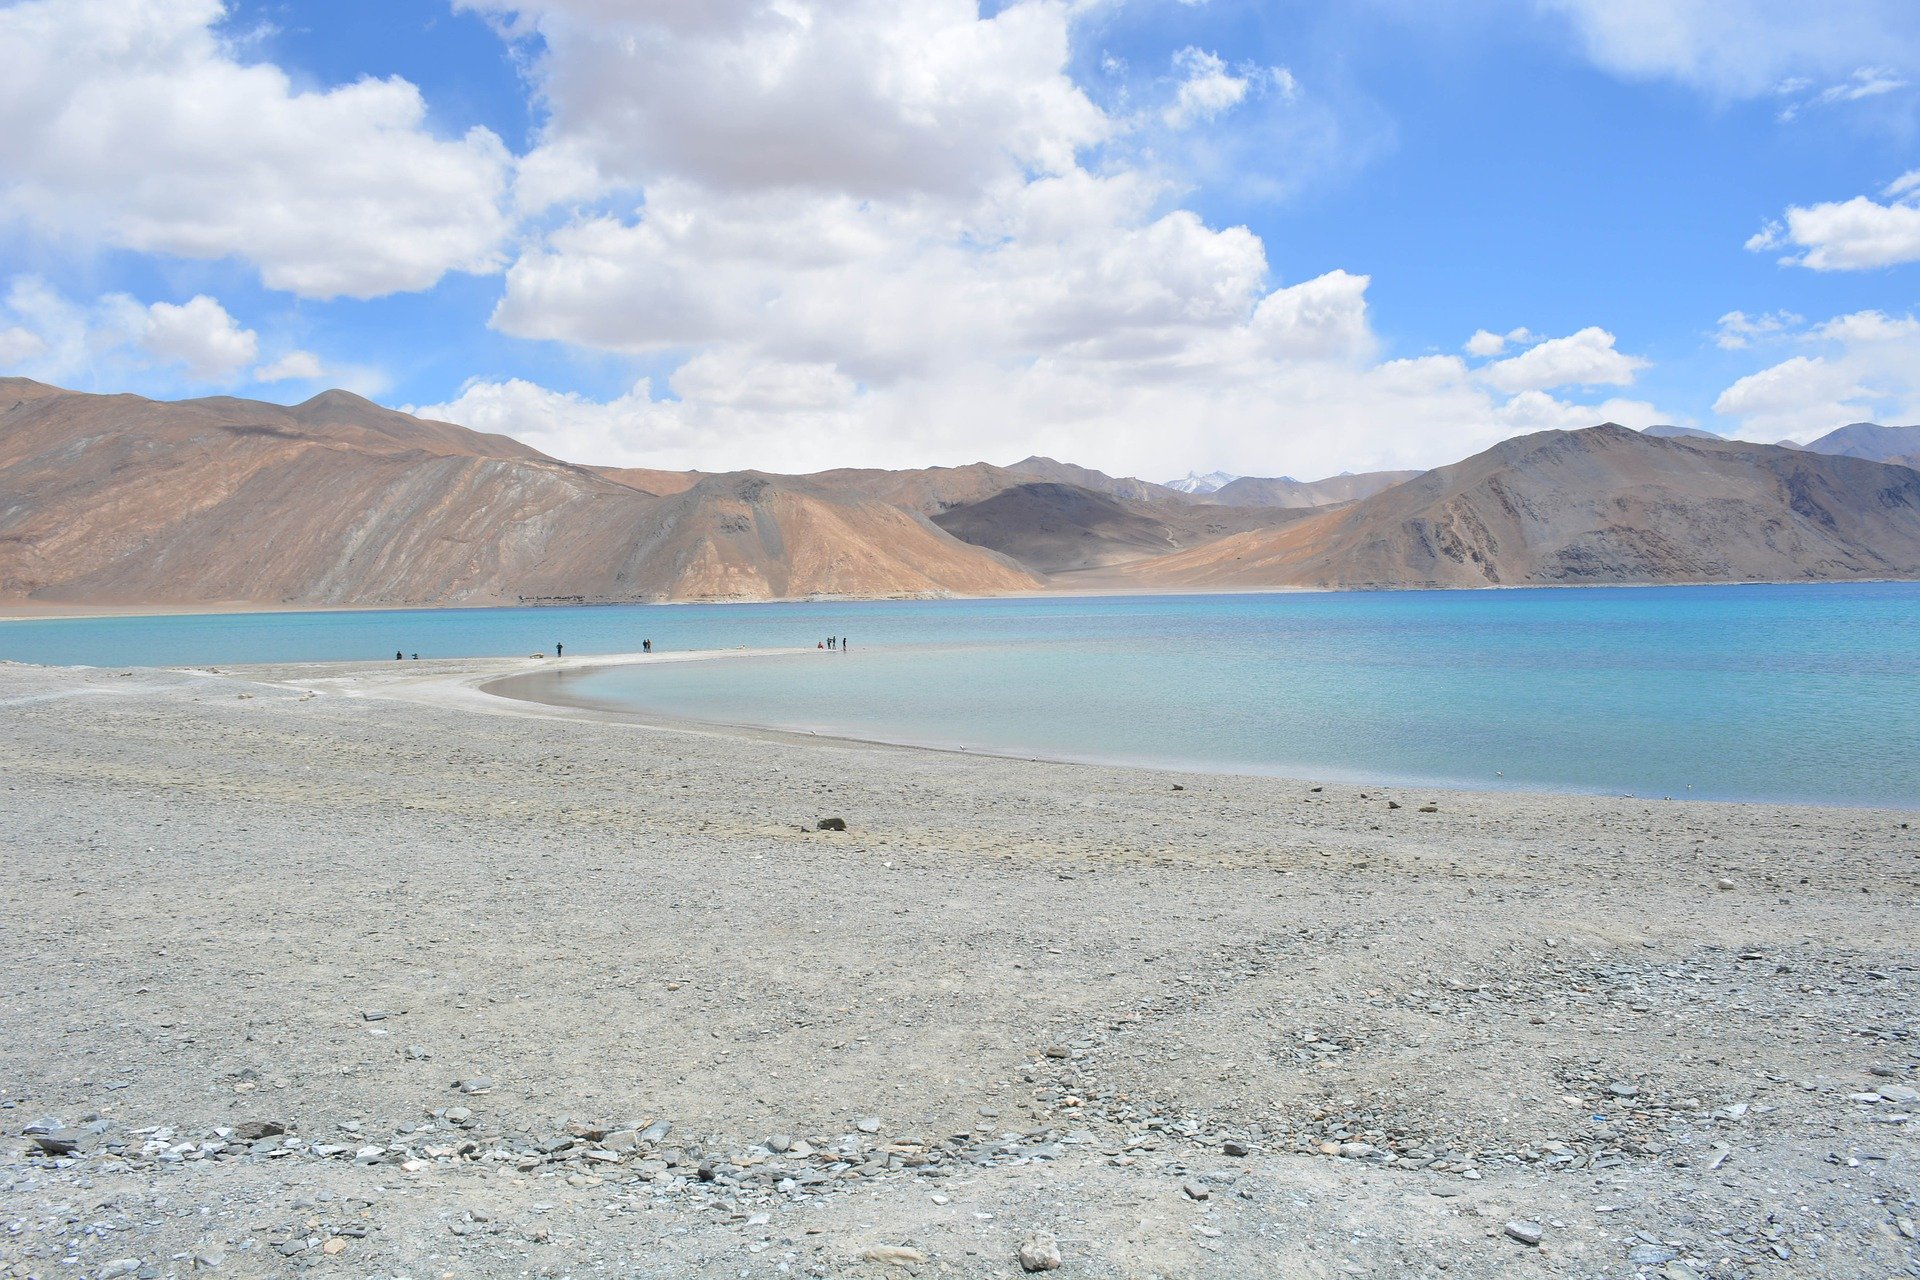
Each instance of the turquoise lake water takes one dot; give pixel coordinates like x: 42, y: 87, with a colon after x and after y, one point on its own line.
x: 1808, y: 693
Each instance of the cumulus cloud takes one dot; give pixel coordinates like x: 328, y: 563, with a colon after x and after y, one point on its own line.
x: 1865, y: 366
x: 115, y: 338
x: 198, y: 334
x: 130, y: 123
x: 870, y: 232
x: 1849, y: 235
x: 870, y: 98
x: 1587, y: 358
x: 1746, y: 48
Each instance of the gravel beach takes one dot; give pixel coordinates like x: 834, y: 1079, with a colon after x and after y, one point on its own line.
x: 369, y: 972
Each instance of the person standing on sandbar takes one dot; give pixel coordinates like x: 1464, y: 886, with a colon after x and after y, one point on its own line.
x: 559, y: 649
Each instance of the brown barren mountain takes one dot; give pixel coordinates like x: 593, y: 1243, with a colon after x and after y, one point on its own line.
x: 1603, y: 505
x: 121, y: 500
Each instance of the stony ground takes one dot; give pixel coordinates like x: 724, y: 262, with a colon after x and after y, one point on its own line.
x: 298, y: 980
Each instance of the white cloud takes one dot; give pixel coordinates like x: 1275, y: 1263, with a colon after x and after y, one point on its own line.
x: 198, y: 334
x: 129, y: 123
x: 1868, y: 368
x: 870, y: 98
x: 1849, y: 235
x: 1746, y: 48
x: 865, y: 232
x: 1484, y: 343
x: 294, y: 366
x: 18, y: 345
x: 117, y: 339
x: 1737, y: 330
x: 1206, y: 89
x: 1586, y: 358
x: 1865, y: 82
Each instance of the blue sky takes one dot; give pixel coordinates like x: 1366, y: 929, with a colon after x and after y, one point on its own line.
x: 1146, y: 235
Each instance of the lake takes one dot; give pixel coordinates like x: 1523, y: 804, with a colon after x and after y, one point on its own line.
x: 1802, y: 693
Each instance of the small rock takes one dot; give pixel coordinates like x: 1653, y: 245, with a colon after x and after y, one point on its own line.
x: 1059, y: 1051
x: 1429, y: 808
x: 780, y: 1143
x: 869, y: 1125
x: 1651, y: 1255
x: 61, y: 1142
x: 1195, y: 1190
x: 1723, y: 883
x: 479, y: 1084
x: 335, y: 1245
x: 894, y: 1255
x: 254, y: 1130
x: 1899, y: 1093
x: 1042, y: 1253
x: 1232, y: 1147
x: 120, y: 1267
x: 1527, y: 1233
x: 831, y: 824
x: 417, y: 1053
x: 1393, y: 804
x: 656, y: 1131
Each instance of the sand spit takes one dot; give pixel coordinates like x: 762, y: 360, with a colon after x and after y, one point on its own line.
x: 318, y: 970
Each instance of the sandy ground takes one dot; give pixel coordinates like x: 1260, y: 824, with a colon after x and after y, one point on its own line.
x: 260, y: 922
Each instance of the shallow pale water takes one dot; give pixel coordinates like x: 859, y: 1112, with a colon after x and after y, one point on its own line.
x: 1756, y: 692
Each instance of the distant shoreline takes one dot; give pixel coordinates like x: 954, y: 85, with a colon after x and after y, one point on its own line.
x: 34, y: 611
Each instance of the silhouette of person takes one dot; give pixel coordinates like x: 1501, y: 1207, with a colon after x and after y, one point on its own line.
x: 558, y: 648
x: 398, y: 656
x: 843, y: 644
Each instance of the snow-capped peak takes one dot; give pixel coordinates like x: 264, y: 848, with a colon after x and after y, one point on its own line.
x: 1194, y: 482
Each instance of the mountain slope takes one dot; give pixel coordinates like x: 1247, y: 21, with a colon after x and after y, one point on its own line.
x: 1285, y: 491
x: 1046, y: 469
x: 1601, y: 505
x: 116, y: 499
x: 1061, y: 528
x: 1872, y: 441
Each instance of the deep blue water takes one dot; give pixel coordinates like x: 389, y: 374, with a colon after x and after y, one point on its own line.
x: 1755, y: 692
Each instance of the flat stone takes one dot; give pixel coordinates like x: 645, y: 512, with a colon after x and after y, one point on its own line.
x: 60, y: 1142
x: 1527, y: 1233
x: 1899, y: 1093
x: 1195, y: 1190
x: 1233, y: 1147
x: 831, y: 824
x: 893, y: 1255
x: 869, y: 1125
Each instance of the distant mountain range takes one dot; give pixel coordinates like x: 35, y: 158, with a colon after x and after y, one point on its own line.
x: 1195, y: 483
x: 337, y: 501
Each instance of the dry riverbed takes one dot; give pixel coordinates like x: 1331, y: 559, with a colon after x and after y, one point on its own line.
x: 363, y: 973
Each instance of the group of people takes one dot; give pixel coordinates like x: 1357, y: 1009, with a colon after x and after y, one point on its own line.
x: 833, y: 642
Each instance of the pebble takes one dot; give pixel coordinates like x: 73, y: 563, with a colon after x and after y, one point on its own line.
x: 1195, y: 1190
x: 869, y: 1125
